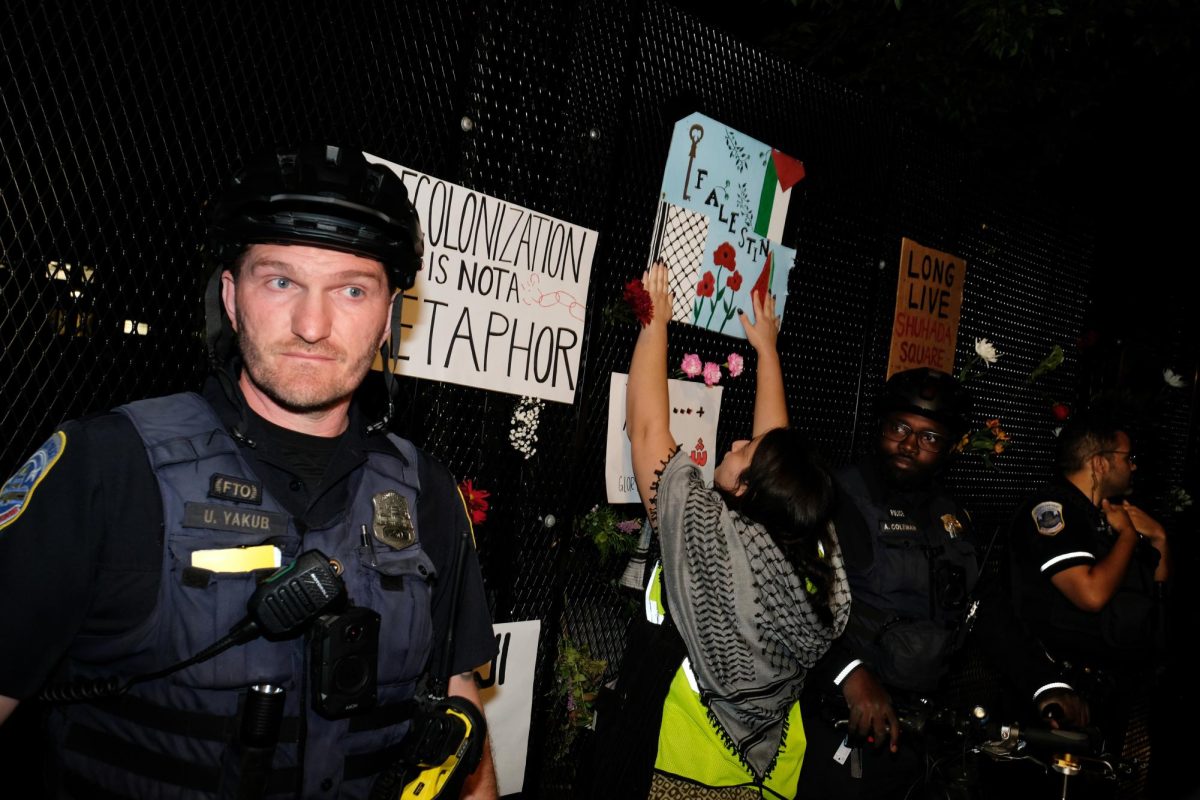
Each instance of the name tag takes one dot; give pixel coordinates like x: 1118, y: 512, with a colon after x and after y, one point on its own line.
x: 226, y: 518
x: 237, y: 559
x: 897, y: 527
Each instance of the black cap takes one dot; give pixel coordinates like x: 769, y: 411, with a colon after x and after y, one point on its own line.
x: 321, y: 196
x: 929, y: 393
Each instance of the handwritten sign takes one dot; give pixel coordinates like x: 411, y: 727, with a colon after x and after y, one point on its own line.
x: 695, y: 409
x: 928, y: 303
x: 507, y: 694
x: 500, y: 300
x: 723, y: 206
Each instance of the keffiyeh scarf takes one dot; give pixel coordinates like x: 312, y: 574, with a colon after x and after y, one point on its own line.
x: 744, y: 614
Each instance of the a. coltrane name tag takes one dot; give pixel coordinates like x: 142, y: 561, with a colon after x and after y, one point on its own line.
x: 225, y: 518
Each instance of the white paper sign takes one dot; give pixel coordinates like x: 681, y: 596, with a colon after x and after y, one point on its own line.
x: 500, y: 300
x: 695, y: 409
x: 507, y: 693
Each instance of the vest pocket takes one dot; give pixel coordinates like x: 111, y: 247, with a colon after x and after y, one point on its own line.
x: 205, y: 612
x: 397, y: 584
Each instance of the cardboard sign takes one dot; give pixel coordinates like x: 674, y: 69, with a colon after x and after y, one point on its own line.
x: 695, y: 409
x: 929, y: 295
x: 500, y: 300
x: 724, y: 201
x: 507, y: 693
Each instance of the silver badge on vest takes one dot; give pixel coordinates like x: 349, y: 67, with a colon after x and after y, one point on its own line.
x: 393, y: 523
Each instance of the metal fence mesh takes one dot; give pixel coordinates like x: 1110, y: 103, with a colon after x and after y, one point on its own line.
x: 121, y: 120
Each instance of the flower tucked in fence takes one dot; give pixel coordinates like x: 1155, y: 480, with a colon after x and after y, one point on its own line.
x: 638, y: 300
x: 577, y: 679
x: 988, y: 441
x: 613, y: 537
x: 1173, y: 379
x: 693, y: 367
x: 985, y: 353
x: 1051, y: 362
x: 476, y: 501
x: 1178, y: 499
x: 522, y: 434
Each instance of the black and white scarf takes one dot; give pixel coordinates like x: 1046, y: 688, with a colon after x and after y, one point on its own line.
x: 744, y: 614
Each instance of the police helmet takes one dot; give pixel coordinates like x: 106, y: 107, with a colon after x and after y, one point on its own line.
x: 321, y: 196
x: 928, y: 393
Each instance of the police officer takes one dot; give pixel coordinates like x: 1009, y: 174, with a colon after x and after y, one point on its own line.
x: 912, y: 569
x: 1091, y: 569
x: 134, y: 539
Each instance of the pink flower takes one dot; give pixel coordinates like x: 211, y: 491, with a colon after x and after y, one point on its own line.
x: 691, y: 365
x: 712, y: 373
x: 735, y: 365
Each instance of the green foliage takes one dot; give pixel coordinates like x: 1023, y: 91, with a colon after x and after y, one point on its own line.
x: 613, y: 537
x: 577, y: 679
x: 1051, y: 362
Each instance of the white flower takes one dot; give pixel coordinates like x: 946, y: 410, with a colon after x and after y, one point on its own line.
x: 1173, y: 379
x: 524, y: 424
x: 986, y: 350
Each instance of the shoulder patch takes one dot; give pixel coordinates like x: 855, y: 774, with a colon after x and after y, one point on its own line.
x: 16, y: 493
x: 1048, y: 517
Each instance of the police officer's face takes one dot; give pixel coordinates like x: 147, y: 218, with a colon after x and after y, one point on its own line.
x: 309, y: 322
x: 912, y: 448
x: 1117, y: 480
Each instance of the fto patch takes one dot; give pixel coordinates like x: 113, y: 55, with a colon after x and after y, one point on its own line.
x: 1048, y: 517
x: 239, y: 490
x: 20, y: 487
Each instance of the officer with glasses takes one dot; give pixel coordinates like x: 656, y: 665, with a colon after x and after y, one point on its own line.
x: 912, y: 567
x: 1090, y: 569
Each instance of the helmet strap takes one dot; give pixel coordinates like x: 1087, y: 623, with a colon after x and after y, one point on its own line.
x: 385, y: 356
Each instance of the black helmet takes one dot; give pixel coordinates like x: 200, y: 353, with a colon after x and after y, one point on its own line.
x: 928, y: 393
x: 322, y: 196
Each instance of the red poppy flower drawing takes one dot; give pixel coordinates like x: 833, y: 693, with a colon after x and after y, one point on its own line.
x: 706, y: 286
x: 476, y: 501
x: 638, y: 298
x: 725, y: 256
x: 734, y: 281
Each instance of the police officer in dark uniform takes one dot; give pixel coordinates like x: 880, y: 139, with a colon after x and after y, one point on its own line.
x: 132, y: 540
x: 1090, y: 570
x: 912, y: 567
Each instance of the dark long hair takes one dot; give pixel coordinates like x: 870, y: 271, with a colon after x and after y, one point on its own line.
x: 790, y: 493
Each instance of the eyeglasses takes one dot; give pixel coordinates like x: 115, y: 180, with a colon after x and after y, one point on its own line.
x: 929, y: 441
x: 1130, y: 456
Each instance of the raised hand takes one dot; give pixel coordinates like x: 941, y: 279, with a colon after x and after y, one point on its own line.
x: 764, y: 331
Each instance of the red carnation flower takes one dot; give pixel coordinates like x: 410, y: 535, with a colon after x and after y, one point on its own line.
x: 734, y: 281
x: 706, y: 286
x: 476, y: 501
x: 725, y: 256
x: 638, y: 298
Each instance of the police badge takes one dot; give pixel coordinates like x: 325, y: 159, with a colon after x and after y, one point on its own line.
x: 952, y: 525
x: 393, y: 524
